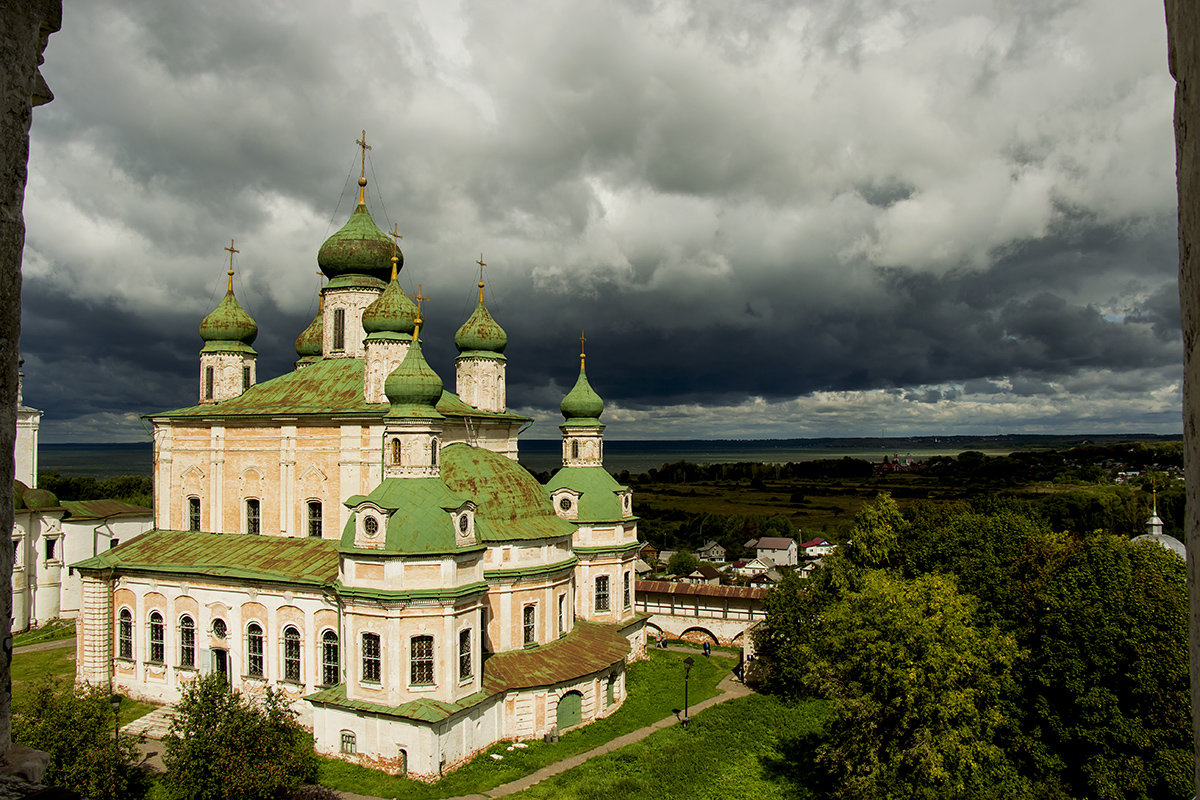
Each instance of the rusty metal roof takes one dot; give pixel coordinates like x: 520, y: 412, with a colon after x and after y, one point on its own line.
x: 666, y: 587
x: 328, y: 387
x: 103, y: 509
x: 281, y: 559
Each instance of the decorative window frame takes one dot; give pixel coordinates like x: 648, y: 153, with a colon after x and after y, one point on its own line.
x: 566, y: 503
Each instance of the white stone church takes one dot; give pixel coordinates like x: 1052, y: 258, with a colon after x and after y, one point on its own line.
x: 359, y: 537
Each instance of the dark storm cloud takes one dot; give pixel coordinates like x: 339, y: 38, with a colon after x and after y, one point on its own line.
x: 736, y: 202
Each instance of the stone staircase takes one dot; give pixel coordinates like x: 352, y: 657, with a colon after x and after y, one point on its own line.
x: 154, y: 725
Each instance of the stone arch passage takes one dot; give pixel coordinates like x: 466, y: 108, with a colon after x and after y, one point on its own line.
x: 699, y: 636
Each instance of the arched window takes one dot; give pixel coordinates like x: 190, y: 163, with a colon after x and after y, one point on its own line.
x: 339, y: 329
x: 254, y: 650
x: 291, y: 654
x: 372, y: 666
x: 314, y: 518
x: 253, y: 516
x: 208, y: 383
x: 193, y: 513
x: 464, y: 654
x: 529, y: 624
x: 330, y: 666
x: 602, y: 593
x: 125, y: 634
x: 396, y: 452
x: 574, y: 449
x: 433, y: 452
x: 421, y: 661
x: 157, y: 638
x: 628, y: 593
x: 245, y: 378
x: 349, y: 743
x: 562, y: 614
x: 187, y: 641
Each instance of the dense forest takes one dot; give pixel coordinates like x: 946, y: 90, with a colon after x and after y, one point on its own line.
x: 136, y: 489
x: 973, y: 650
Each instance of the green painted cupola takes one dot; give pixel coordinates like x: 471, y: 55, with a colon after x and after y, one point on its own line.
x: 392, y: 312
x: 228, y: 364
x: 359, y: 248
x: 582, y: 404
x: 228, y: 325
x: 308, y: 343
x: 480, y: 336
x: 413, y: 388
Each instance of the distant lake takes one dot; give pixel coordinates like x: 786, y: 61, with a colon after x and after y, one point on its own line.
x: 137, y: 458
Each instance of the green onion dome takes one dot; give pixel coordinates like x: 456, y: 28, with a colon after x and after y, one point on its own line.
x: 229, y: 322
x: 391, y: 312
x: 413, y: 388
x: 582, y: 402
x: 308, y: 343
x: 359, y: 248
x: 481, y: 333
x: 39, y: 498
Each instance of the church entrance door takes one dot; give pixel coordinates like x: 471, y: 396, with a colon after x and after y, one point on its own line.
x: 570, y: 710
x: 220, y: 663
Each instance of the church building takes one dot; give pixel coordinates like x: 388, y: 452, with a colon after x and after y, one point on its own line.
x: 359, y: 537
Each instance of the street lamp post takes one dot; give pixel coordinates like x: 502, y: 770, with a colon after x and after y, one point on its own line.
x: 687, y: 671
x: 115, y: 700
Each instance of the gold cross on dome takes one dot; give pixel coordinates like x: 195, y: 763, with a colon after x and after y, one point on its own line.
x: 396, y: 237
x: 231, y: 250
x: 362, y: 178
x: 481, y: 266
x: 419, y: 298
x: 582, y: 349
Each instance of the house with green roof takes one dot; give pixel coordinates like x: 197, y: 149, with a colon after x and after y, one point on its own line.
x: 361, y: 538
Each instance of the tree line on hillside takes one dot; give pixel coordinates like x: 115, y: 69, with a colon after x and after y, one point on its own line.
x: 976, y: 652
x: 136, y: 489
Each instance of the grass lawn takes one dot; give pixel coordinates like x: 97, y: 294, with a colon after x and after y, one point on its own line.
x: 52, y: 630
x: 750, y: 747
x: 30, y: 669
x: 655, y: 687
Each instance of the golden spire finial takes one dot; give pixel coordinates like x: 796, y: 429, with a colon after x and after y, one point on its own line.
x: 582, y: 348
x: 362, y: 178
x: 231, y: 250
x: 396, y: 237
x: 419, y: 299
x: 481, y: 266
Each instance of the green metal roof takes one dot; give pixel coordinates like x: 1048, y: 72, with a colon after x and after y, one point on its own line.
x: 413, y: 388
x: 480, y: 333
x: 582, y: 402
x: 308, y: 561
x: 598, y: 501
x: 419, y: 521
x: 103, y: 509
x: 588, y: 649
x: 359, y: 248
x: 511, y: 504
x: 229, y: 322
x: 328, y: 387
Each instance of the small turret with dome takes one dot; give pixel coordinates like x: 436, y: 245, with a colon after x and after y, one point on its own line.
x: 389, y: 324
x: 308, y: 343
x: 227, y: 360
x: 412, y: 425
x: 358, y: 262
x: 480, y: 366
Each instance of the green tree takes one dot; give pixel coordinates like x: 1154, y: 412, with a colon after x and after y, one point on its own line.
x: 917, y: 692
x: 225, y: 746
x: 74, y: 724
x: 683, y: 563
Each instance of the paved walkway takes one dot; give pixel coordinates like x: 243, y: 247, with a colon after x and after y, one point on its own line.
x: 54, y: 645
x: 730, y: 688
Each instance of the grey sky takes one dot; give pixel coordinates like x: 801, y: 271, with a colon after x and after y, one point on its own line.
x: 772, y: 219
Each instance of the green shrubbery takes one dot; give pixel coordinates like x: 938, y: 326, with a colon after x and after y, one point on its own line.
x: 225, y: 746
x: 75, y: 725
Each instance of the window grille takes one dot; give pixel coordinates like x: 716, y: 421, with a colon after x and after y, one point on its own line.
x: 193, y: 513
x: 371, y: 658
x: 157, y: 639
x: 349, y: 744
x: 339, y: 329
x: 421, y: 669
x: 254, y: 650
x: 464, y: 654
x: 530, y: 624
x: 125, y: 634
x: 602, y: 593
x: 291, y: 654
x: 314, y: 518
x: 253, y: 516
x: 187, y: 642
x: 330, y: 666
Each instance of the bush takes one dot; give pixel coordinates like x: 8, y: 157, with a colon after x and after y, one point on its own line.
x: 75, y: 726
x: 223, y: 746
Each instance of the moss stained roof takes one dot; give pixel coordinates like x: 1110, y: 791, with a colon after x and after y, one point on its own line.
x: 510, y: 503
x: 419, y: 521
x: 589, y: 648
x: 328, y: 387
x: 598, y: 501
x: 103, y: 509
x: 311, y: 562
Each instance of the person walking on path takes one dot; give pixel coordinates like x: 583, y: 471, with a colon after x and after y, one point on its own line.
x: 706, y: 650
